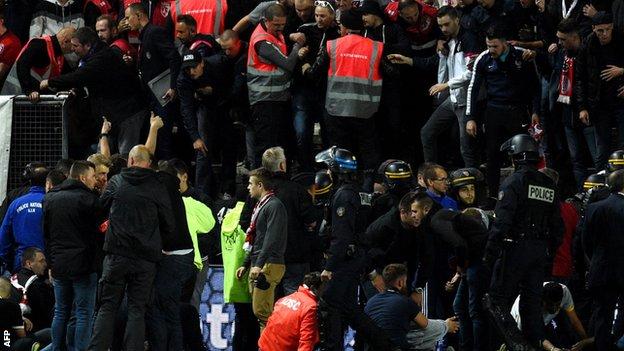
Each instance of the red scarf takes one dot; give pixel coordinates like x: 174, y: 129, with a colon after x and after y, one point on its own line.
x: 566, y: 82
x: 251, y: 231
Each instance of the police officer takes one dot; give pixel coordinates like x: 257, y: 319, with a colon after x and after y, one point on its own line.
x: 616, y: 161
x: 464, y: 182
x: 395, y: 179
x: 525, y: 233
x: 604, y: 244
x: 345, y: 256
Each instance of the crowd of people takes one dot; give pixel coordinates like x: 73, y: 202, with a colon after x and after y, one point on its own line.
x: 177, y: 106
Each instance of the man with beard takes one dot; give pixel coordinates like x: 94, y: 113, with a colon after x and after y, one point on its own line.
x: 393, y: 312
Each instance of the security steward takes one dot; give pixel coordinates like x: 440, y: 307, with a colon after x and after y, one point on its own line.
x: 210, y: 14
x: 523, y: 238
x: 41, y: 58
x: 353, y: 66
x: 345, y: 257
x: 189, y: 40
x: 269, y: 76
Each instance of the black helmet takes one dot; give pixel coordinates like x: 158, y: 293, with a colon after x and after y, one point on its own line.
x: 616, y: 160
x: 338, y: 160
x: 521, y: 148
x: 323, y: 186
x: 465, y: 176
x: 395, y: 172
x: 596, y: 180
x: 323, y: 182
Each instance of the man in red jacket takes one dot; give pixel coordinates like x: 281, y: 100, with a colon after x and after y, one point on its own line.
x: 293, y: 325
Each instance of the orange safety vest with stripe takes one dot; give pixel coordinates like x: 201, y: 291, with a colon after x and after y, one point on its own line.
x: 353, y: 78
x: 209, y: 14
x: 12, y: 85
x: 266, y: 81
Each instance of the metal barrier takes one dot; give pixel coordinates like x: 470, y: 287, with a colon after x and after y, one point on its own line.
x: 38, y: 133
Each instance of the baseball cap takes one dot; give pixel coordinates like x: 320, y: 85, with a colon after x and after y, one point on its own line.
x: 190, y: 60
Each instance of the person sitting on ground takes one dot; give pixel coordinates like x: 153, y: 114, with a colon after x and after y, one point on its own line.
x: 401, y: 318
x: 555, y: 298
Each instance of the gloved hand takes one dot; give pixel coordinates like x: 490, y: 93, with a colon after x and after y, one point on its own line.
x: 493, y: 250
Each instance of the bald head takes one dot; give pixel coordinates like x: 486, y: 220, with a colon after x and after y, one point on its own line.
x: 304, y: 9
x: 64, y: 37
x: 139, y: 157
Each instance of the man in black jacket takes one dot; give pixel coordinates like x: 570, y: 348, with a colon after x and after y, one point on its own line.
x: 604, y: 245
x: 465, y: 233
x: 31, y: 281
x: 72, y: 215
x: 600, y: 73
x: 113, y: 89
x: 513, y: 90
x: 156, y: 55
x: 203, y: 100
x: 140, y: 214
x: 301, y: 219
x: 396, y: 237
x: 173, y: 271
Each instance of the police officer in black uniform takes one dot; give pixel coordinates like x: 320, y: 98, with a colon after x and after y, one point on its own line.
x: 526, y: 232
x: 396, y: 179
x: 345, y: 257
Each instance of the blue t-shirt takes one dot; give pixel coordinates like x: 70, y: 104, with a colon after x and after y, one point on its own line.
x: 393, y: 313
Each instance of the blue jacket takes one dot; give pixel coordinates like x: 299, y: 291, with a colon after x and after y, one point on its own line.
x: 22, y: 227
x: 445, y: 201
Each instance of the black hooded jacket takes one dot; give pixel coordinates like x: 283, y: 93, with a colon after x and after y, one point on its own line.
x: 140, y: 214
x: 71, y: 217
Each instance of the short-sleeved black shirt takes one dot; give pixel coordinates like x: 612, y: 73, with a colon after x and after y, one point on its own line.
x: 393, y: 313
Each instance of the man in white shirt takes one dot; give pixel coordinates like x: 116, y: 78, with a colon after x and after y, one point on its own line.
x: 556, y: 298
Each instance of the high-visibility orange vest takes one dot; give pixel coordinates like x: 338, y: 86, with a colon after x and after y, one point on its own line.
x: 266, y: 81
x: 353, y: 78
x: 12, y: 85
x: 125, y: 47
x: 209, y: 14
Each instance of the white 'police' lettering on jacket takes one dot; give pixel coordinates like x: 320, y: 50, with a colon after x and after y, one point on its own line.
x: 540, y: 193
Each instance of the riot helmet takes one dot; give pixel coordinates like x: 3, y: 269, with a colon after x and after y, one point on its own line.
x: 522, y: 148
x: 338, y: 160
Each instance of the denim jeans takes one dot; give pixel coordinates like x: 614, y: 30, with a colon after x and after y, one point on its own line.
x: 575, y: 137
x: 469, y: 310
x: 163, y: 316
x: 307, y: 109
x: 80, y: 294
x: 604, y: 120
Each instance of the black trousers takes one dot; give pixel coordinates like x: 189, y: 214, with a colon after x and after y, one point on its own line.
x: 501, y: 123
x: 359, y: 136
x: 605, y: 300
x: 521, y: 270
x: 338, y: 308
x: 247, y: 330
x: 271, y: 125
x: 133, y: 277
x: 216, y: 128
